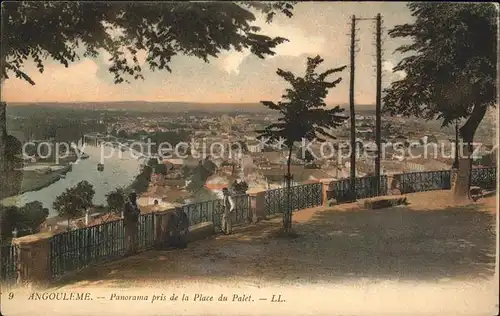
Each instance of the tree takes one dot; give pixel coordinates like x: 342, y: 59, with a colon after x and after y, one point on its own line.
x: 160, y: 169
x: 115, y: 200
x: 26, y: 220
x: 152, y: 162
x: 200, y: 175
x: 186, y: 172
x: 67, y: 31
x: 32, y: 215
x: 75, y: 201
x: 303, y: 114
x: 141, y: 181
x: 122, y: 134
x: 9, y: 219
x: 239, y: 187
x: 450, y: 70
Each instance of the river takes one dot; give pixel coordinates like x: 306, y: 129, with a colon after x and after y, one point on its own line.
x: 118, y: 172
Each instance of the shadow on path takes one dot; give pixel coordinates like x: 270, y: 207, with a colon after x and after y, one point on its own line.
x: 396, y: 243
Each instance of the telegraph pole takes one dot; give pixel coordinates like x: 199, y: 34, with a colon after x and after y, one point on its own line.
x: 378, y: 101
x: 352, y: 187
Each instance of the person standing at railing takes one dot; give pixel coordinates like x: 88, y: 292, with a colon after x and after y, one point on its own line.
x: 131, y: 214
x: 178, y: 228
x: 228, y: 204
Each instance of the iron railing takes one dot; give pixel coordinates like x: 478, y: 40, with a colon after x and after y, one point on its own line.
x: 366, y: 187
x: 146, y: 233
x: 200, y: 212
x: 213, y: 210
x: 8, y: 264
x: 301, y: 196
x: 77, y: 249
x: 241, y: 213
x: 424, y: 181
x: 484, y: 177
x: 275, y: 201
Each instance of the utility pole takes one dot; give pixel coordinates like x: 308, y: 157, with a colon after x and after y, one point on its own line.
x: 457, y: 131
x: 378, y: 101
x: 352, y: 187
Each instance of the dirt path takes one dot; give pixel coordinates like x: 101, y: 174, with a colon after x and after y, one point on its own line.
x: 419, y: 241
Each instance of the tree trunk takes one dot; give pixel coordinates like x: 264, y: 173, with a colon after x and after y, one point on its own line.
x: 461, y: 186
x: 3, y: 137
x: 287, y: 216
x: 457, y: 133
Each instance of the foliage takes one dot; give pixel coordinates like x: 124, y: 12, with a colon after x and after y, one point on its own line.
x: 450, y: 70
x: 163, y: 30
x: 26, y: 219
x: 200, y: 175
x: 32, y: 215
x: 209, y: 166
x: 141, y: 182
x: 487, y: 160
x: 239, y: 187
x: 203, y: 194
x: 9, y: 219
x: 115, y: 200
x: 122, y: 134
x: 186, y: 172
x: 450, y: 66
x: 160, y: 168
x: 303, y: 108
x: 12, y: 147
x: 152, y: 162
x: 73, y: 202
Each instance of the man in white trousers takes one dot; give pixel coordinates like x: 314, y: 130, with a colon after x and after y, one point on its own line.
x: 228, y: 204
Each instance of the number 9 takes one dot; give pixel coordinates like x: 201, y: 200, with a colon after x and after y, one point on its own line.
x: 11, y: 295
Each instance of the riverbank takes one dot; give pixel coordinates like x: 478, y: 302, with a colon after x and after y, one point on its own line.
x: 34, y: 181
x: 23, y: 181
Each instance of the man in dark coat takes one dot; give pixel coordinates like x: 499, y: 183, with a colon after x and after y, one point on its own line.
x: 131, y: 214
x: 178, y: 226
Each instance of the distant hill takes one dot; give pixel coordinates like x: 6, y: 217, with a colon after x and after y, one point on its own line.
x: 168, y: 106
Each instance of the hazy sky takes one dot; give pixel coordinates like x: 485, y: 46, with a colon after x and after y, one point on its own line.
x: 316, y: 28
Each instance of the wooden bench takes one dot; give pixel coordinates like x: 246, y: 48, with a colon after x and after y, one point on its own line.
x: 384, y: 202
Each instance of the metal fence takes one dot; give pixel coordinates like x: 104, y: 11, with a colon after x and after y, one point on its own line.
x: 301, y: 197
x: 146, y: 233
x: 76, y: 249
x: 366, y: 187
x: 201, y: 212
x: 8, y: 264
x: 484, y: 177
x: 424, y: 181
x: 241, y: 213
x: 213, y: 210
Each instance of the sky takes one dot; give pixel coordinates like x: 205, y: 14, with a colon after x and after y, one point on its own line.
x: 316, y: 28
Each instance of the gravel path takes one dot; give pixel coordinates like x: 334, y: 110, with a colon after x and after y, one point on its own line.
x: 422, y: 241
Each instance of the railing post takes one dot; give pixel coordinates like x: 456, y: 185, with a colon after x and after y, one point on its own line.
x: 33, y: 261
x: 161, y: 229
x: 258, y: 205
x: 325, y: 189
